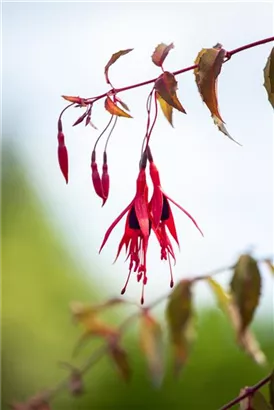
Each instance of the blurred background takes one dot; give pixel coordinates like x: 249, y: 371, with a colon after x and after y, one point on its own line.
x: 51, y: 232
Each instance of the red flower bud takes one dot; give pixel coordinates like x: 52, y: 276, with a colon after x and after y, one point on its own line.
x: 105, y: 179
x: 97, y: 183
x: 62, y: 155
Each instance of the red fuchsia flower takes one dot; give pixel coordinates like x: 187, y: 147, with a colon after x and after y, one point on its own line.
x: 162, y: 217
x: 137, y: 231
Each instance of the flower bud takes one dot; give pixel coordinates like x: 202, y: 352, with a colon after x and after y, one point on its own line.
x: 105, y: 179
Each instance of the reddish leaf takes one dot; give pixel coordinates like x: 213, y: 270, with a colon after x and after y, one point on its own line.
x: 166, y: 86
x: 210, y: 62
x: 114, y: 58
x: 76, y: 100
x: 120, y: 358
x: 105, y: 179
x: 160, y: 53
x: 151, y: 339
x: 113, y: 109
x: 80, y: 119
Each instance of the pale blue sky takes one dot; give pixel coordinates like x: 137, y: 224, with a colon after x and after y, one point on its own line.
x: 50, y: 49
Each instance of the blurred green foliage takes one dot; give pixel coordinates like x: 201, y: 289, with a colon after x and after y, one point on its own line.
x: 40, y: 279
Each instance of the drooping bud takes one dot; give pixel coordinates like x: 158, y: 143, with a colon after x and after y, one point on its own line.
x: 105, y: 179
x: 62, y: 152
x: 97, y: 183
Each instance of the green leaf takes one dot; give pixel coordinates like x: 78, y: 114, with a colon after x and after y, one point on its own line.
x: 179, y: 315
x: 245, y: 289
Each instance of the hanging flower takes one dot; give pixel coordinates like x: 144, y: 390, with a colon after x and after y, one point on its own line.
x: 137, y: 231
x: 162, y: 217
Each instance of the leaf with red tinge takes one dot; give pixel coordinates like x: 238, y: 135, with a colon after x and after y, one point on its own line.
x: 160, y: 53
x: 76, y: 100
x: 166, y: 86
x: 151, y: 339
x: 113, y: 109
x: 246, y: 288
x: 256, y: 401
x: 269, y: 77
x: 210, y: 61
x: 124, y: 105
x: 114, y: 58
x: 179, y: 315
x: 80, y: 119
x: 166, y: 108
x: 120, y: 358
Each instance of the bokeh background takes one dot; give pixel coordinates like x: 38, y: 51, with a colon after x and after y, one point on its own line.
x: 51, y: 232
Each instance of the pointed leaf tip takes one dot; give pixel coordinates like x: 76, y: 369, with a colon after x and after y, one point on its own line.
x: 166, y: 86
x: 210, y: 61
x: 113, y: 109
x: 120, y: 358
x: 166, y: 108
x: 113, y: 59
x: 160, y: 53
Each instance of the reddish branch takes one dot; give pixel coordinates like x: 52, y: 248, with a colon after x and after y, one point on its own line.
x: 248, y: 393
x: 229, y: 54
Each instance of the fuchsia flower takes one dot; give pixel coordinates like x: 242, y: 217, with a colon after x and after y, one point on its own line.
x: 137, y: 230
x: 162, y: 217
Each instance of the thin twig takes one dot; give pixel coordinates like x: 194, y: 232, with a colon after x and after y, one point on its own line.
x: 250, y: 391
